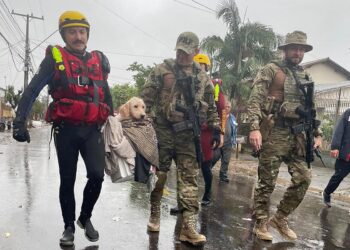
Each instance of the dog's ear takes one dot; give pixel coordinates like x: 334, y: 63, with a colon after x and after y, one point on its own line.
x: 124, y: 111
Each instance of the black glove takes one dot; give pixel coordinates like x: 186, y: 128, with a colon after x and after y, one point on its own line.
x: 216, y: 139
x: 20, y: 132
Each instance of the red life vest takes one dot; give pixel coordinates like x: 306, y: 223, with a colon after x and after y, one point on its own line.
x: 77, y: 89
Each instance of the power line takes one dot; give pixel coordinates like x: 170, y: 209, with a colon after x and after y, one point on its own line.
x: 136, y: 55
x: 131, y: 24
x: 200, y: 4
x: 10, y: 50
x: 43, y: 41
x: 191, y: 6
x: 13, y: 19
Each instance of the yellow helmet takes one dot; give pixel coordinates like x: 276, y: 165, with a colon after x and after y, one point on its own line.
x: 72, y: 18
x: 202, y: 58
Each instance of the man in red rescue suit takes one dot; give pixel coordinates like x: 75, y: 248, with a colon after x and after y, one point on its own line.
x: 81, y: 103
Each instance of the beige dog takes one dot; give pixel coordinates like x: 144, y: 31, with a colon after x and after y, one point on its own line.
x: 134, y: 109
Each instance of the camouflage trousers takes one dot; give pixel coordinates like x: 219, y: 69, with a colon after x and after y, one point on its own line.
x: 280, y: 146
x: 180, y: 148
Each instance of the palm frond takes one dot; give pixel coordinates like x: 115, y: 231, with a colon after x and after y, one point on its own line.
x: 228, y: 11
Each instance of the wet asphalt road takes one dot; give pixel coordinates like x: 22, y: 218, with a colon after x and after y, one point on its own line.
x: 30, y: 216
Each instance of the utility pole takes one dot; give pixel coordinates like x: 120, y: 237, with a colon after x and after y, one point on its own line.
x: 27, y: 49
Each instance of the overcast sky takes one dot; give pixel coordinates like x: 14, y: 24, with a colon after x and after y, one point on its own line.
x: 146, y: 31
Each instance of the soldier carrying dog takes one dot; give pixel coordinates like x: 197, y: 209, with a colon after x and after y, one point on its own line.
x: 162, y: 94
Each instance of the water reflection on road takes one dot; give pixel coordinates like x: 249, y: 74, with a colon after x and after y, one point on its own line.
x: 30, y: 216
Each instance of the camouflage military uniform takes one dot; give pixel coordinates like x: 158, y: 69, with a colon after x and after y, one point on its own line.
x: 279, y: 144
x: 160, y: 94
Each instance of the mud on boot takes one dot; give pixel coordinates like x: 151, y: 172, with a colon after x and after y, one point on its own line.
x: 67, y: 237
x: 154, y: 219
x: 156, y: 196
x: 281, y: 224
x: 189, y: 233
x: 90, y: 233
x: 260, y: 230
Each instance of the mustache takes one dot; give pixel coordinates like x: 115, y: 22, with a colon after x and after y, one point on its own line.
x: 78, y: 42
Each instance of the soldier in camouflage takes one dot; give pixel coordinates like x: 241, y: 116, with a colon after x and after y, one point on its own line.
x: 161, y: 93
x: 271, y: 110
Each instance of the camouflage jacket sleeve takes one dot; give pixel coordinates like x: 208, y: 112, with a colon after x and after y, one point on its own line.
x: 212, y: 112
x: 149, y: 91
x: 258, y: 95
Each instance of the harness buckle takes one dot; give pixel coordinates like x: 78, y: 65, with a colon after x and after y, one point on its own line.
x: 83, y: 81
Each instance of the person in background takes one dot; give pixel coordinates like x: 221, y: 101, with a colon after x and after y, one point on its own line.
x: 340, y: 149
x: 224, y: 153
x: 207, y: 132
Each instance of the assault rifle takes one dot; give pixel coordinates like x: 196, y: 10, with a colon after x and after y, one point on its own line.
x: 309, y: 123
x: 187, y: 85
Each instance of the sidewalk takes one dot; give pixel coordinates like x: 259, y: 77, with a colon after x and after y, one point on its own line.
x: 248, y: 165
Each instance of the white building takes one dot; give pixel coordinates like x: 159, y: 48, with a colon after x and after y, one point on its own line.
x: 332, y: 86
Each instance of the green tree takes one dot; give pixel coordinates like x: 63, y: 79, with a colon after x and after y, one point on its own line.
x: 11, y: 97
x: 39, y: 108
x: 121, y: 93
x: 141, y: 74
x: 246, y: 47
x: 213, y: 46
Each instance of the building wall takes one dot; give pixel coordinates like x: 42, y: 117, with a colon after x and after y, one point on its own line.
x: 323, y: 73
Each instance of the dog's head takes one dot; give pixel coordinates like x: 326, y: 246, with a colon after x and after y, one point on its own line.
x: 134, y: 109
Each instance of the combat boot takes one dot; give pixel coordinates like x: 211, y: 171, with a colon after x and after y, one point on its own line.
x: 281, y: 224
x: 154, y: 220
x: 260, y: 230
x: 189, y: 233
x: 156, y: 195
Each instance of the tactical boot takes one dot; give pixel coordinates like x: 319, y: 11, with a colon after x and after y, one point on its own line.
x: 90, y: 233
x: 281, y: 224
x: 154, y: 220
x: 188, y: 232
x: 67, y: 237
x: 260, y: 230
x: 156, y: 195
